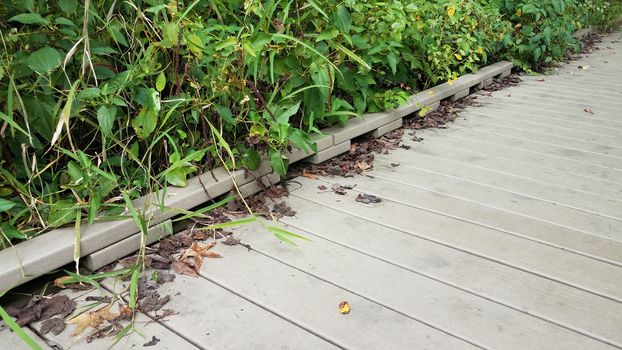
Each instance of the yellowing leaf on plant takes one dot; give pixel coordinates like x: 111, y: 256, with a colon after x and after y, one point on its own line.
x: 458, y: 56
x: 344, y: 308
x: 480, y: 50
x: 519, y: 12
x: 61, y: 281
x: 451, y: 11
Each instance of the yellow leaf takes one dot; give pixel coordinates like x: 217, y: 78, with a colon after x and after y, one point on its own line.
x: 451, y: 11
x: 480, y: 50
x: 458, y: 56
x: 92, y: 319
x: 519, y: 12
x: 344, y: 308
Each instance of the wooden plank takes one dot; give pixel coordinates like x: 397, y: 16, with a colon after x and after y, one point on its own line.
x: 525, y: 156
x: 605, y: 161
x: 313, y: 303
x: 558, y: 195
x: 508, y: 201
x: 463, y: 156
x: 537, y: 135
x: 555, y: 302
x: 581, y: 272
x: 10, y: 340
x: 558, y: 129
x: 218, y: 319
x: 455, y: 311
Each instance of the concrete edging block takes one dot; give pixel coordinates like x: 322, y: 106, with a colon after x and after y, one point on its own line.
x: 123, y: 248
x: 396, y: 124
x: 493, y: 70
x: 461, y: 94
x: 330, y: 153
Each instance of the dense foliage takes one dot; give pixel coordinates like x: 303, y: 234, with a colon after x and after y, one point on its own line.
x: 104, y: 100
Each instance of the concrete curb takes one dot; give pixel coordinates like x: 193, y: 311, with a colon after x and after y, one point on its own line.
x: 55, y: 249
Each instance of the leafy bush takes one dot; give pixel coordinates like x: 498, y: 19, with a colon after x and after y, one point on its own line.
x: 103, y: 101
x: 542, y: 30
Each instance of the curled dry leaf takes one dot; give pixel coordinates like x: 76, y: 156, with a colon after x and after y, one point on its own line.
x: 92, y: 319
x: 344, y: 308
x: 588, y: 110
x: 191, y: 259
x: 309, y: 175
x: 367, y: 199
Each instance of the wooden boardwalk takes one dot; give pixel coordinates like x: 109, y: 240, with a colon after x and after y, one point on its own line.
x: 502, y: 231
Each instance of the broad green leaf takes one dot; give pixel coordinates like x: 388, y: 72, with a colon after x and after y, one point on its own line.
x: 251, y: 159
x: 145, y: 122
x: 44, y: 60
x: 248, y: 48
x: 327, y: 34
x: 89, y: 93
x: 225, y: 113
x: 195, y: 44
x: 10, y: 231
x: 106, y: 116
x: 68, y: 6
x: 343, y: 21
x: 392, y: 60
x: 161, y: 82
x: 284, y: 117
x: 29, y: 18
x: 176, y: 177
x: 61, y: 212
x: 6, y: 204
x: 279, y: 162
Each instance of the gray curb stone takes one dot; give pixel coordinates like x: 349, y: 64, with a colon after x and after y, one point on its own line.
x: 330, y: 153
x: 126, y: 247
x: 462, y: 94
x: 387, y: 128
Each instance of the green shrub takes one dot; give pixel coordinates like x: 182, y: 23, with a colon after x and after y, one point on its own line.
x: 103, y: 99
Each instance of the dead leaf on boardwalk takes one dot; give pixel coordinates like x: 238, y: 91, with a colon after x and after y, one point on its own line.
x: 307, y: 174
x: 322, y: 188
x: 191, y: 259
x: 344, y: 308
x: 588, y: 110
x: 55, y: 325
x: 540, y: 80
x: 183, y: 269
x: 92, y: 319
x: 41, y: 309
x: 152, y: 342
x: 367, y: 199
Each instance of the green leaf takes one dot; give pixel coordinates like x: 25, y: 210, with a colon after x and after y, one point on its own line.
x: 176, y: 177
x: 6, y: 204
x: 29, y: 18
x: 343, y: 21
x: 10, y: 232
x: 106, y: 116
x: 44, y: 60
x: 327, y: 34
x: 61, y: 212
x: 145, y: 122
x: 251, y: 159
x: 279, y: 162
x: 89, y: 93
x: 292, y: 110
x: 392, y: 60
x: 161, y: 82
x: 225, y: 113
x: 68, y: 6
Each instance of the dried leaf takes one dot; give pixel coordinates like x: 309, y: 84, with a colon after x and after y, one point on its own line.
x: 92, y: 319
x: 344, y: 308
x: 309, y: 175
x: 204, y: 250
x: 367, y: 199
x: 62, y: 282
x: 152, y: 342
x: 588, y: 110
x: 55, y: 325
x: 322, y: 188
x: 183, y: 269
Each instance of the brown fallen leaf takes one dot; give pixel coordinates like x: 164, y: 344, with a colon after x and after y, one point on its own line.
x: 588, y: 110
x: 92, y: 319
x: 307, y: 174
x: 55, y: 325
x: 344, y: 308
x: 41, y: 309
x: 152, y: 342
x: 322, y: 188
x: 184, y: 269
x: 367, y: 199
